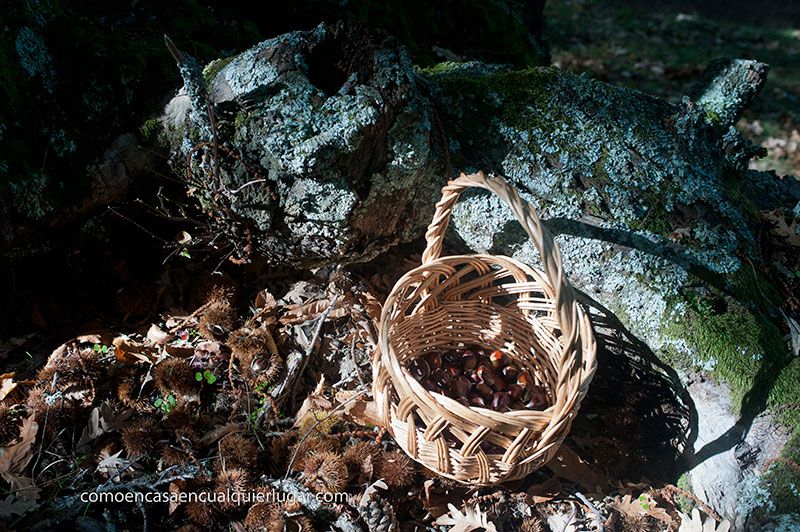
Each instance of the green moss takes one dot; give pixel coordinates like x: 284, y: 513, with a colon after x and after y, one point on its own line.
x: 782, y: 479
x: 522, y: 92
x: 746, y: 350
x: 240, y: 119
x: 149, y: 131
x: 213, y: 68
x: 685, y: 504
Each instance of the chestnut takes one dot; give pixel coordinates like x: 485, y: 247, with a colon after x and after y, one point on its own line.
x: 510, y: 373
x: 420, y: 368
x: 524, y: 379
x: 469, y: 361
x: 434, y: 360
x: 259, y: 364
x: 497, y: 358
x: 500, y: 400
x: 485, y: 374
x: 499, y: 384
x: 515, y: 391
x: 441, y: 378
x: 484, y: 389
x: 461, y: 386
x: 538, y: 399
x: 476, y: 400
x: 429, y: 385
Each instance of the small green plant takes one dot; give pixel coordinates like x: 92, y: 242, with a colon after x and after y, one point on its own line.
x: 644, y: 502
x: 166, y: 404
x: 100, y: 348
x: 207, y: 376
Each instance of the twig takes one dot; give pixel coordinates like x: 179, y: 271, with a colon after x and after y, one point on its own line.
x: 145, y: 523
x: 670, y: 489
x: 296, y: 369
x: 597, y: 515
x: 311, y: 503
x: 305, y: 436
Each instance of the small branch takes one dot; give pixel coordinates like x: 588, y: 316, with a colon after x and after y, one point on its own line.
x: 305, y: 436
x: 297, y: 365
x: 597, y: 515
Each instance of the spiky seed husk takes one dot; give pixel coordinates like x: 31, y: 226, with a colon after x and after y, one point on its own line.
x: 201, y: 513
x: 231, y: 486
x: 174, y: 456
x: 325, y: 472
x: 357, y: 455
x: 249, y: 345
x: 218, y: 318
x: 174, y: 375
x: 312, y: 444
x: 531, y: 524
x: 264, y: 516
x: 8, y: 426
x: 321, y: 420
x: 395, y: 468
x: 140, y: 437
x: 238, y: 451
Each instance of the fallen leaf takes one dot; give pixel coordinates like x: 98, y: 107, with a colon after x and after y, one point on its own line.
x: 7, y: 385
x: 112, y: 465
x: 642, y: 505
x: 14, y: 459
x: 14, y: 506
x: 315, y: 402
x: 470, y: 519
x: 372, y: 488
x: 296, y: 313
x: 570, y: 466
x: 129, y: 351
x: 696, y: 524
x: 157, y: 335
x: 544, y: 492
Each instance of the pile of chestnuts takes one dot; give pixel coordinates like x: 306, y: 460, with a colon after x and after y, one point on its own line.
x: 474, y: 376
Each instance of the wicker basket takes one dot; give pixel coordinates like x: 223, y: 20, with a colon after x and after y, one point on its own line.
x: 497, y: 302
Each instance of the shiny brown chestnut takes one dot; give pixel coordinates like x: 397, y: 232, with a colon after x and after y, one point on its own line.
x: 497, y: 358
x: 500, y: 400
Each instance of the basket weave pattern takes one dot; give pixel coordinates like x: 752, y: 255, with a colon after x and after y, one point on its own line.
x: 499, y: 303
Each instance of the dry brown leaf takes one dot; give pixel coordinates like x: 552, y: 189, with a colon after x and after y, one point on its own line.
x: 129, y: 351
x: 570, y: 466
x: 112, y: 465
x: 179, y: 351
x: 265, y: 301
x: 14, y: 459
x: 7, y: 385
x: 175, y: 487
x: 308, y: 311
x: 361, y: 411
x: 696, y: 524
x: 315, y: 402
x: 157, y: 335
x: 642, y: 505
x: 544, y: 492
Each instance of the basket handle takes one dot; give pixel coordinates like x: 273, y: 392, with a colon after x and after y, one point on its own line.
x: 530, y: 222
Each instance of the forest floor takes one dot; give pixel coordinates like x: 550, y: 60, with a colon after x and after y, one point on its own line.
x: 662, y: 47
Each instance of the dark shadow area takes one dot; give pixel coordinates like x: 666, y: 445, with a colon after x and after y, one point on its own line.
x: 776, y: 13
x: 637, y: 418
